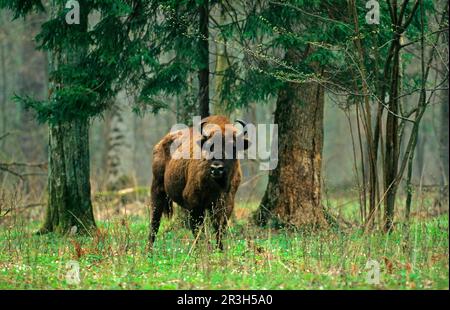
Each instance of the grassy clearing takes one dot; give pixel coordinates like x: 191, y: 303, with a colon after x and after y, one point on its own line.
x: 255, y: 258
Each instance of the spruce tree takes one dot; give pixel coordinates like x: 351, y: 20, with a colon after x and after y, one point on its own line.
x: 89, y: 64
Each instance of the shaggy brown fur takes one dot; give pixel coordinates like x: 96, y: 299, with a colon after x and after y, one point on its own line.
x: 188, y: 183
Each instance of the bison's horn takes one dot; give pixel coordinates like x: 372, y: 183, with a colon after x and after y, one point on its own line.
x: 244, y: 125
x: 202, y: 124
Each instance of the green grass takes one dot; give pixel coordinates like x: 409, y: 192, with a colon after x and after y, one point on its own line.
x: 255, y: 258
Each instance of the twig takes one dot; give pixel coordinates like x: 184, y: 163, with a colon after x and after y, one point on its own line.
x: 4, y: 135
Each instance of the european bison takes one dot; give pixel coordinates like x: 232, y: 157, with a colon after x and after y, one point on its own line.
x: 208, y: 183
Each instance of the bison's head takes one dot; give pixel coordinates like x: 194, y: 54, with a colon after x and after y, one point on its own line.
x: 221, y: 146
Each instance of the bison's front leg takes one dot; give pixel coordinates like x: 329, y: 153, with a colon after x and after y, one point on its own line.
x: 196, y: 218
x: 220, y: 225
x: 219, y: 221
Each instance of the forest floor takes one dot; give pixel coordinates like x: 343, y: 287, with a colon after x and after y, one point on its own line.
x: 414, y: 257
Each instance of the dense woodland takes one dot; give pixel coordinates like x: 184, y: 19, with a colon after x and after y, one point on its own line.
x: 360, y: 100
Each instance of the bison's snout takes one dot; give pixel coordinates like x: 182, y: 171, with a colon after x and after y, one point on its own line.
x: 217, y: 169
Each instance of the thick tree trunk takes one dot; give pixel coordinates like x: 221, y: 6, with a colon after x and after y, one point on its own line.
x: 293, y: 194
x: 203, y: 50
x: 69, y: 190
x: 120, y: 145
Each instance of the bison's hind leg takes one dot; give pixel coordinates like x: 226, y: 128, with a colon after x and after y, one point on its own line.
x: 160, y: 204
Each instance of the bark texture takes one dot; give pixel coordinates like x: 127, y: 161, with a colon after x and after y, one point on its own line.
x: 293, y: 194
x: 69, y: 189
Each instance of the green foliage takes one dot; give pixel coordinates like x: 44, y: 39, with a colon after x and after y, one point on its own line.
x: 152, y: 47
x: 272, y: 28
x: 21, y: 8
x: 176, y: 41
x: 91, y: 64
x: 322, y: 31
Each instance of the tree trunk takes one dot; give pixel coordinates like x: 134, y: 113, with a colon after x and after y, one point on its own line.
x: 392, y: 143
x: 203, y: 50
x: 293, y: 194
x: 120, y: 145
x: 420, y: 155
x: 69, y: 189
x: 219, y: 105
